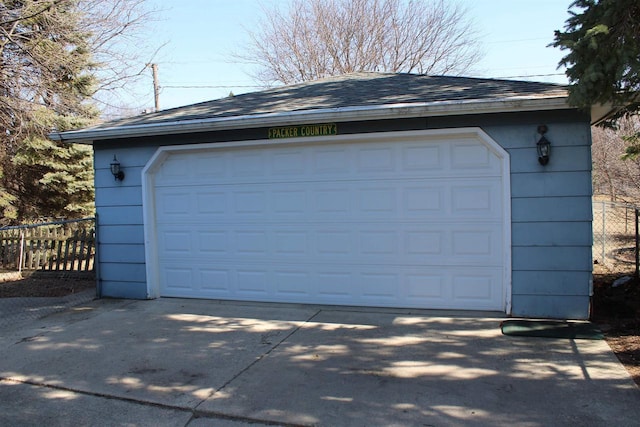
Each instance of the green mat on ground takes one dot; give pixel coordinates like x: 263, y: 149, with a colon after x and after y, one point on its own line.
x: 551, y: 329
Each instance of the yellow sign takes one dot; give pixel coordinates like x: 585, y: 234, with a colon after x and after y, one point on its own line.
x: 324, y: 129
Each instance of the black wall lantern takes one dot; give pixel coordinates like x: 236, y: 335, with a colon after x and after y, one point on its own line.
x: 116, y: 170
x: 544, y: 146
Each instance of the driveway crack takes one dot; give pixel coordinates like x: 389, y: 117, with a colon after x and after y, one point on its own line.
x: 259, y: 358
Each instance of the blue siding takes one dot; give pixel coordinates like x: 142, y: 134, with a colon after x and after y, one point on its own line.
x: 564, y: 159
x: 551, y: 234
x: 121, y: 234
x: 553, y: 306
x: 120, y: 222
x: 551, y: 219
x: 133, y: 177
x: 552, y: 184
x: 550, y: 258
x: 123, y: 289
x: 123, y: 196
x: 564, y: 131
x: 121, y: 253
x: 129, y: 156
x: 122, y: 272
x: 120, y: 215
x: 550, y: 207
x: 574, y: 283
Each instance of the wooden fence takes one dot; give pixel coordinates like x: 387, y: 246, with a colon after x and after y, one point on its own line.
x: 54, y: 246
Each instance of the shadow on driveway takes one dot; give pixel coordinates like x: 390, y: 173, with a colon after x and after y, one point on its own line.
x: 237, y: 363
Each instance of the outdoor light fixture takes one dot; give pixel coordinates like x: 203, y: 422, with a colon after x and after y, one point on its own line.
x: 544, y: 146
x: 115, y: 169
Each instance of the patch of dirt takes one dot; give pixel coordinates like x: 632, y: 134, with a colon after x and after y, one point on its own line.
x: 616, y: 310
x: 46, y: 285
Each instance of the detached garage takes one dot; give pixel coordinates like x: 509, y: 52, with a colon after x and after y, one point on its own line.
x: 385, y: 190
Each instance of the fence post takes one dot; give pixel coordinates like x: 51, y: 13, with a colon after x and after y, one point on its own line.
x: 604, y: 232
x: 626, y: 220
x: 637, y: 246
x: 21, y: 256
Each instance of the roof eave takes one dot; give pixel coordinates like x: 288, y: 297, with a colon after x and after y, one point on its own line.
x: 602, y: 112
x: 341, y: 114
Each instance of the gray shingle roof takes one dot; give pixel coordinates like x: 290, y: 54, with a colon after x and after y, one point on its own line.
x: 353, y: 90
x: 357, y: 96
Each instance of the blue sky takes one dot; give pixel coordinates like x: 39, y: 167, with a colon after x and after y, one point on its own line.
x: 199, y: 36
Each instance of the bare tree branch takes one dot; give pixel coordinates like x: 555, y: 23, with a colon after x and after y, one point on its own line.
x: 613, y: 176
x: 55, y: 55
x: 318, y: 38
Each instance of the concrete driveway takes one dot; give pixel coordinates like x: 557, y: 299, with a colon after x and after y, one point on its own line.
x: 174, y: 362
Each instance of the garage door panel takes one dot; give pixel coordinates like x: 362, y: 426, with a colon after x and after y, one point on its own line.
x: 426, y: 287
x: 423, y: 159
x: 474, y: 287
x: 378, y: 243
x: 175, y: 169
x: 382, y: 288
x: 471, y: 156
x: 332, y: 162
x: 332, y: 242
x: 253, y: 282
x: 178, y: 278
x: 409, y: 224
x: 442, y: 244
x: 475, y: 243
x: 175, y: 242
x: 331, y: 202
x: 291, y: 202
x: 289, y: 283
x: 421, y: 200
x: 477, y: 201
x: 289, y: 162
x: 470, y: 288
x: 251, y: 242
x: 215, y: 281
x: 174, y: 204
x: 363, y: 161
x: 211, y: 202
x: 248, y: 164
x: 335, y: 285
x: 424, y: 243
x: 377, y: 159
x: 208, y: 165
x: 462, y: 198
x: 214, y: 242
x: 250, y: 203
x: 291, y: 243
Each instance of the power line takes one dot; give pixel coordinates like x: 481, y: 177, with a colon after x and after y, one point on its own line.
x: 518, y: 40
x: 530, y: 75
x: 208, y: 86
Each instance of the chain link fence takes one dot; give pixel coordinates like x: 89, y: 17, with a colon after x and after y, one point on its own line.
x: 615, y: 236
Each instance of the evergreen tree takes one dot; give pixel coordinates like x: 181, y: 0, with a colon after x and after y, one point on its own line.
x: 55, y: 178
x: 603, y: 64
x: 46, y: 80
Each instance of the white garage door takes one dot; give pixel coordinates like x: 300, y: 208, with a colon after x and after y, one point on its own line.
x: 402, y: 220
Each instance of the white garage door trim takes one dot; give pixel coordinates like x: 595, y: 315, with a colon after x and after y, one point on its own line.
x: 162, y: 153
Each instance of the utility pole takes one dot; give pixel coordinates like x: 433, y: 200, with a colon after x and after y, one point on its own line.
x: 156, y: 86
